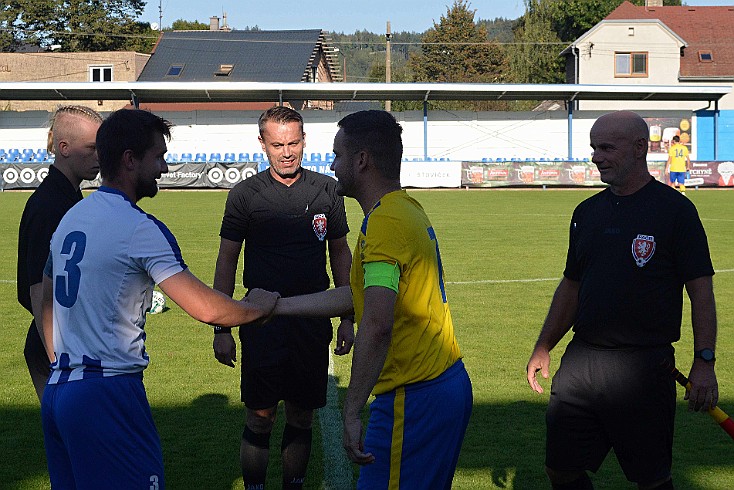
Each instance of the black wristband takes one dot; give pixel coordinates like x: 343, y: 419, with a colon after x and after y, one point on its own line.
x: 222, y: 330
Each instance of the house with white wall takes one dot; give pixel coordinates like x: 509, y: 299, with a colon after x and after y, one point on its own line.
x: 662, y: 45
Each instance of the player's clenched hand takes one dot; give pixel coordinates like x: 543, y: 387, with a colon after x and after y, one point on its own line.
x: 704, y: 392
x: 225, y: 349
x: 539, y: 361
x: 353, y: 442
x: 262, y: 300
x: 344, y: 337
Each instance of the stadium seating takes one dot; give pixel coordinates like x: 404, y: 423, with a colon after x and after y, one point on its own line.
x: 186, y: 158
x: 200, y: 158
x: 215, y: 157
x: 229, y: 158
x: 171, y: 157
x: 243, y: 157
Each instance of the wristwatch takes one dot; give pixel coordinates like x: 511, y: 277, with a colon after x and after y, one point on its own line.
x: 706, y: 355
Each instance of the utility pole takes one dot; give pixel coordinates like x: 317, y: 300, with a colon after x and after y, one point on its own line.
x: 160, y: 15
x: 388, y: 74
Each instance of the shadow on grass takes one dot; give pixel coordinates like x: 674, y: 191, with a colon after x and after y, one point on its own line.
x: 504, y: 448
x: 506, y: 442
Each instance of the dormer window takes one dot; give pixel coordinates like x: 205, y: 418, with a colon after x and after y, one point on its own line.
x: 705, y: 56
x: 224, y: 70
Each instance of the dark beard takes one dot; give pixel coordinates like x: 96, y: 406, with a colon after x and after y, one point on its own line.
x: 146, y: 189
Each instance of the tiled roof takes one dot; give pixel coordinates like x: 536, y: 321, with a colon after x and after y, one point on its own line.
x: 705, y: 29
x: 254, y: 56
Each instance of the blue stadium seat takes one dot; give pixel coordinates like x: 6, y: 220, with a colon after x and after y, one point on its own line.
x: 215, y: 157
x: 258, y: 157
x: 26, y: 158
x: 186, y: 157
x: 229, y: 158
x: 171, y: 157
x: 200, y: 158
x: 330, y: 157
x: 243, y: 157
x: 315, y: 157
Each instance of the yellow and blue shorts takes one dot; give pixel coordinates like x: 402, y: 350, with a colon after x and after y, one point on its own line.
x: 416, y: 431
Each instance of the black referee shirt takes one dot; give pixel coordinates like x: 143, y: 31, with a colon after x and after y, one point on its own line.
x: 285, y: 230
x: 632, y: 256
x: 42, y: 214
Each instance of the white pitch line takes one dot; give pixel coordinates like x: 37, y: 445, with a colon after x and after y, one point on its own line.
x: 5, y: 281
x: 504, y: 281
x: 337, y: 468
x: 540, y: 279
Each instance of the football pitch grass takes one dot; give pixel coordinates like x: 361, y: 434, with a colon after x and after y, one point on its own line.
x: 503, y: 252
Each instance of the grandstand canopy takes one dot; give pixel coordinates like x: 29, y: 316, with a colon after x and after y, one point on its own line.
x: 171, y: 92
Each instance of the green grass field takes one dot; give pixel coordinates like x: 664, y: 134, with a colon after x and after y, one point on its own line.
x: 503, y: 253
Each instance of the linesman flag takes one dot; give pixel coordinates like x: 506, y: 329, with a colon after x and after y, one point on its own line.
x: 721, y: 418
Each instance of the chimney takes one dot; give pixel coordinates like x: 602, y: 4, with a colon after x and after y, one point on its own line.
x: 214, y: 23
x: 653, y: 3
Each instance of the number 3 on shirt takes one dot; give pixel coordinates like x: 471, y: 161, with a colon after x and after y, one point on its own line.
x: 67, y: 286
x: 432, y: 235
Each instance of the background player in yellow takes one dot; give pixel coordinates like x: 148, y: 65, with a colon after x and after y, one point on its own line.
x: 678, y: 164
x: 405, y: 353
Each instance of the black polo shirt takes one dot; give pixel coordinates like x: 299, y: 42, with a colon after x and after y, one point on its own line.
x: 42, y: 214
x: 632, y: 256
x: 285, y: 230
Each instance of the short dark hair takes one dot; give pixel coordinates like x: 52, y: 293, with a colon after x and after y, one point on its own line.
x: 127, y: 129
x: 676, y: 138
x: 379, y: 134
x: 281, y: 115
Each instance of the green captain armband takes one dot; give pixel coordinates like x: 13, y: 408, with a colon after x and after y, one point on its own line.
x: 382, y: 274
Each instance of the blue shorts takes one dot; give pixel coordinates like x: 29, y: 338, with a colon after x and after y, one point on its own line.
x: 679, y: 177
x: 416, y: 431
x: 99, y: 433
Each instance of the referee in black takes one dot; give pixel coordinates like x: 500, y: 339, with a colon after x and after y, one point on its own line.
x: 71, y: 138
x: 633, y: 249
x: 286, y: 216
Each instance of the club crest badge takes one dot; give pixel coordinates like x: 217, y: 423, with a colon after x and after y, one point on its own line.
x: 643, y: 248
x: 319, y: 226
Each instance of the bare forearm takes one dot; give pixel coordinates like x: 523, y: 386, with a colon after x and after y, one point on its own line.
x: 340, y: 260
x: 47, y: 333
x: 210, y: 306
x: 329, y: 303
x: 561, y: 315
x: 370, y: 352
x: 703, y: 312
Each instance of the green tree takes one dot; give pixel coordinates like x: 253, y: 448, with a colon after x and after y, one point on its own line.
x: 458, y: 50
x: 76, y: 25
x: 534, y: 54
x: 189, y: 25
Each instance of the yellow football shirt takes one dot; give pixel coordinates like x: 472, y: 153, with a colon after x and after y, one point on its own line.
x: 678, y: 154
x: 423, y: 345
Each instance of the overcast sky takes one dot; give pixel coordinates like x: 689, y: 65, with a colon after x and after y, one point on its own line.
x: 336, y: 16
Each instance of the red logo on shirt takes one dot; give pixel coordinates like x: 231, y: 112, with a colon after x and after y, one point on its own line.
x: 643, y: 247
x: 319, y: 226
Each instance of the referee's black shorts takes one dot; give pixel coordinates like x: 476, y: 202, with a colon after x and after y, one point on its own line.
x: 612, y: 398
x: 286, y: 359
